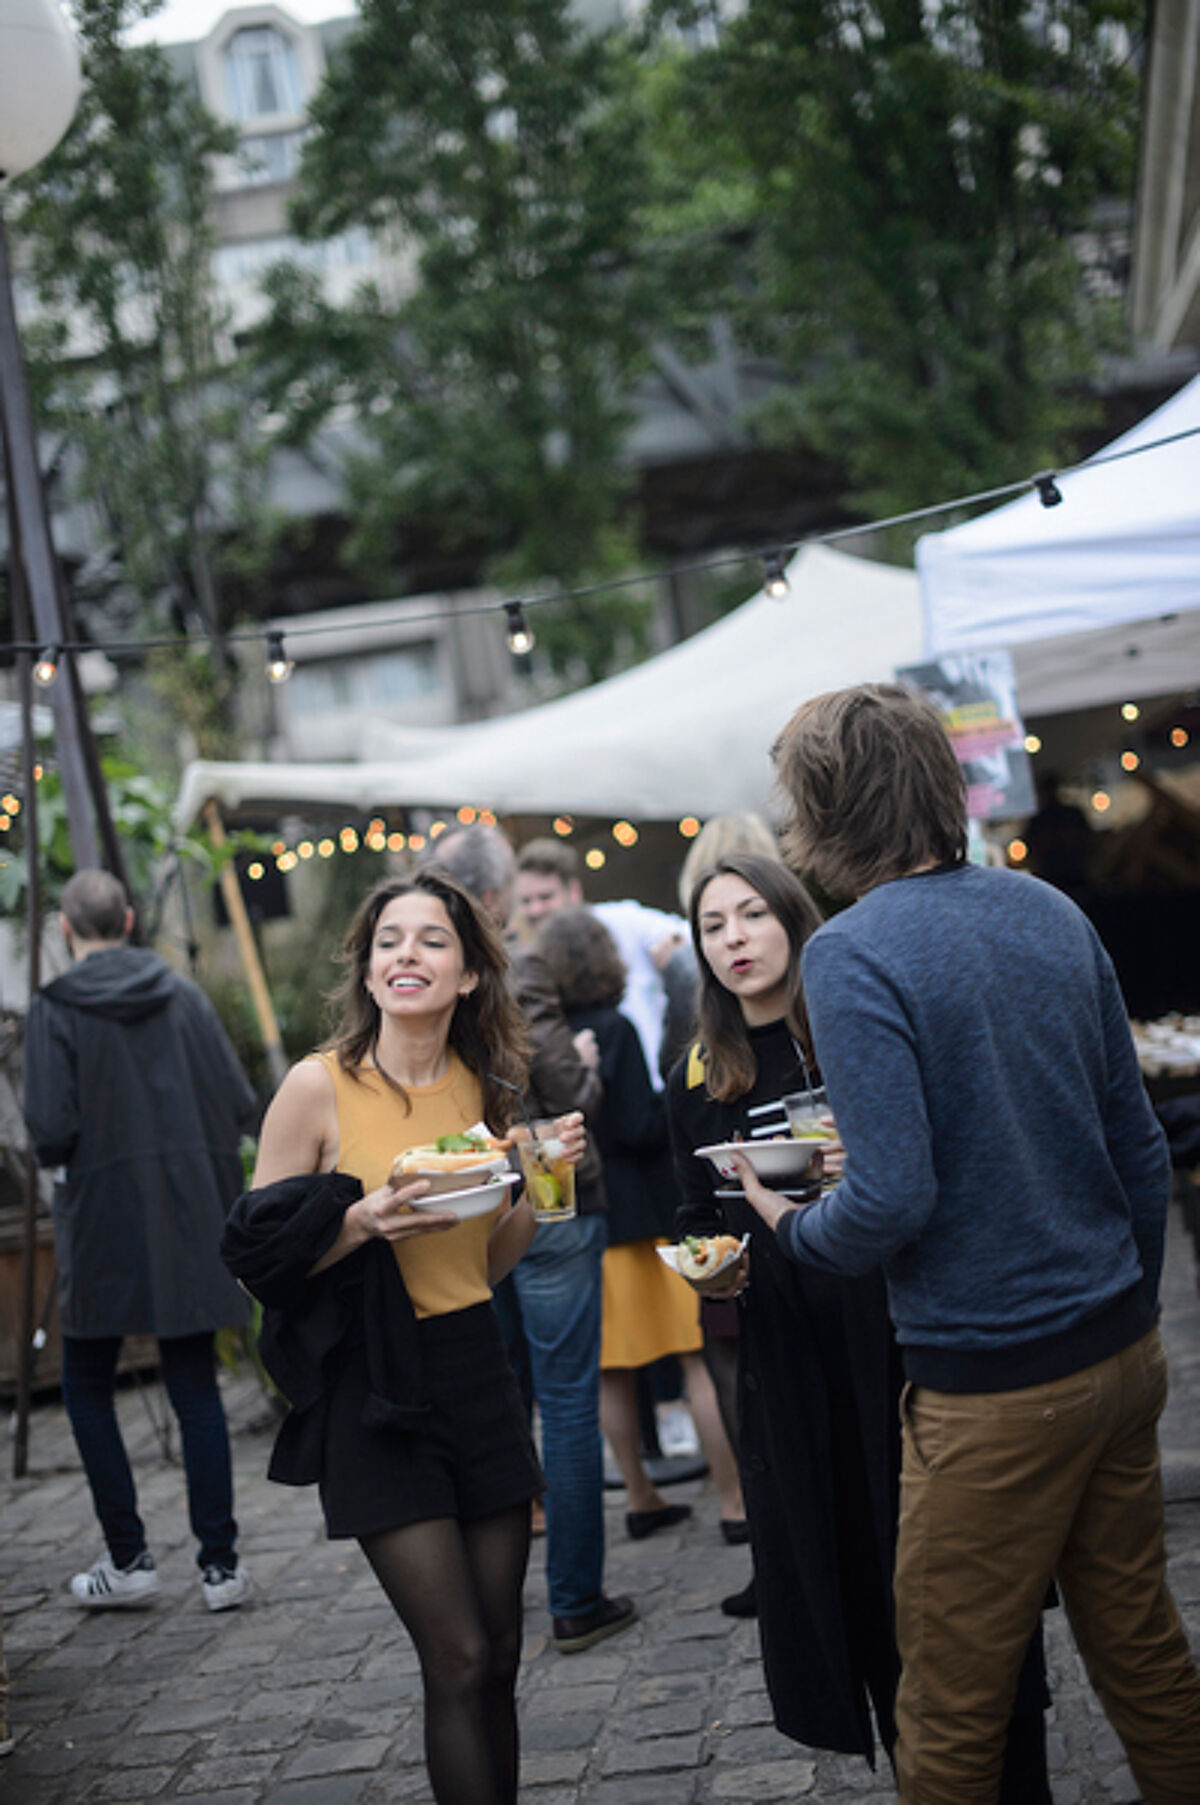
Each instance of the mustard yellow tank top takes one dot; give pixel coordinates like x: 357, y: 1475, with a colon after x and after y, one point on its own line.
x: 446, y: 1271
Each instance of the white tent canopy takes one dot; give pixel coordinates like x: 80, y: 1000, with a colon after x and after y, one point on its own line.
x: 688, y: 732
x: 1124, y: 545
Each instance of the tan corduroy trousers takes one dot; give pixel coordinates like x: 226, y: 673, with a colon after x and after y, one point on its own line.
x: 1002, y: 1492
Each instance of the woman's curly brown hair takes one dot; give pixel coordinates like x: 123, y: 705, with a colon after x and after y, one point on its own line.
x: 582, y: 957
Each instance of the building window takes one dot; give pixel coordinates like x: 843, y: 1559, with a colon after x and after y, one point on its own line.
x: 383, y: 679
x: 271, y: 157
x: 261, y: 74
x: 245, y: 259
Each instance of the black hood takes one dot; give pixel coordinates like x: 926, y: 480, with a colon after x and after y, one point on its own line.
x: 123, y: 983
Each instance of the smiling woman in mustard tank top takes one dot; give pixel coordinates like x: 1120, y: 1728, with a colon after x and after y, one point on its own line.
x: 416, y: 1435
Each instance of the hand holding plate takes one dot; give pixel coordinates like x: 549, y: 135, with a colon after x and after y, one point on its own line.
x: 768, y: 1204
x: 388, y: 1212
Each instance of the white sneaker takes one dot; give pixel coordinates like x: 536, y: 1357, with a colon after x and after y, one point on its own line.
x: 106, y: 1587
x: 676, y: 1430
x: 224, y: 1590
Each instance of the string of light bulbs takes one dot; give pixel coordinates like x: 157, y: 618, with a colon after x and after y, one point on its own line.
x: 519, y: 634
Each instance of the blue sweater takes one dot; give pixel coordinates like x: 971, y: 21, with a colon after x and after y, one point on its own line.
x: 1003, y: 1162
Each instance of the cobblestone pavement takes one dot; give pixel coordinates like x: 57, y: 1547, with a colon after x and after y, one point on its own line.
x: 310, y: 1695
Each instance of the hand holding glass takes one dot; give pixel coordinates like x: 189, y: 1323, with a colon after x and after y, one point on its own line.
x: 807, y: 1114
x: 549, y: 1174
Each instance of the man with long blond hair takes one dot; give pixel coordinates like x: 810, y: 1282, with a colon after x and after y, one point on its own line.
x: 1006, y: 1170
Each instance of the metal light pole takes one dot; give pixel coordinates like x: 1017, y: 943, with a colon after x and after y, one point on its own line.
x: 39, y: 91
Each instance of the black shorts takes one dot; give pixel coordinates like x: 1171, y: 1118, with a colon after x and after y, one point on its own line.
x: 473, y: 1458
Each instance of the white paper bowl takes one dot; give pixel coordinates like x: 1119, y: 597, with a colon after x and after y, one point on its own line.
x: 471, y: 1200
x: 771, y: 1159
x: 465, y: 1179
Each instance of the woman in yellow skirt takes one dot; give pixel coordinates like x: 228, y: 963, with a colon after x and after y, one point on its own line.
x: 649, y: 1312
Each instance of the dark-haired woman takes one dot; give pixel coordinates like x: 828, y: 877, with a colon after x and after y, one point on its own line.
x: 404, y: 1410
x: 648, y: 1311
x: 819, y: 1378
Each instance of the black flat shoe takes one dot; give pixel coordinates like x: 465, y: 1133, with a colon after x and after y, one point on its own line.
x: 741, y: 1604
x: 735, y: 1530
x: 612, y: 1615
x: 643, y: 1523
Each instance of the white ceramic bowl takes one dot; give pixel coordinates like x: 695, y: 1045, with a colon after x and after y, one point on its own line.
x: 784, y: 1158
x: 471, y: 1200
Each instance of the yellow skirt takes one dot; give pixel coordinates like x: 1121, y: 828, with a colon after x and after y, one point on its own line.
x: 649, y: 1311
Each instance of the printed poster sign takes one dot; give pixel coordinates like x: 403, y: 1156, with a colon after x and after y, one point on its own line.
x: 976, y: 695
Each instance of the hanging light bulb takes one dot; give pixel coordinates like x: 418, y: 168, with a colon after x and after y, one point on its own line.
x: 46, y: 668
x: 279, y: 665
x: 1048, y: 491
x: 520, y: 634
x: 775, y: 580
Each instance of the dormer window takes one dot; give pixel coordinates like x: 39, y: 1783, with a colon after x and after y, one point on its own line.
x: 261, y: 75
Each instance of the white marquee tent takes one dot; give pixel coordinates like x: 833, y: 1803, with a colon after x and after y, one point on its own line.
x: 1123, y: 546
x: 687, y: 732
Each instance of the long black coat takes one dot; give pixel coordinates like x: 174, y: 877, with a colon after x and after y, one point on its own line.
x: 630, y: 1131
x: 132, y: 1087
x: 819, y: 1446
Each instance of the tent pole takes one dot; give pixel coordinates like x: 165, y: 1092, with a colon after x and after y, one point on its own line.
x: 235, y: 907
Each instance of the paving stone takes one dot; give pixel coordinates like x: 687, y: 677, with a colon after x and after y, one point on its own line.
x: 691, y: 1656
x: 673, y: 1719
x: 572, y: 1731
x: 745, y: 1709
x: 134, y: 1784
x: 541, y: 1767
x: 46, y: 1757
x: 289, y: 1673
x: 766, y: 1780
x: 241, y: 1795
x: 330, y: 1789
x: 359, y: 1755
x: 653, y: 1689
x: 666, y: 1752
x: 301, y: 1702
x: 669, y: 1789
x: 227, y: 1771
x: 172, y: 1712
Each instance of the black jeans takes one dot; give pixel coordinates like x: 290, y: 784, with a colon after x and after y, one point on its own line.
x: 89, y: 1368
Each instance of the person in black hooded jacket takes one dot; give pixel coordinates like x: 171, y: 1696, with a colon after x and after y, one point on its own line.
x: 133, y: 1090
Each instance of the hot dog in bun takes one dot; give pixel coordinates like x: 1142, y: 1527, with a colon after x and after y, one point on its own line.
x: 700, y: 1255
x: 449, y: 1154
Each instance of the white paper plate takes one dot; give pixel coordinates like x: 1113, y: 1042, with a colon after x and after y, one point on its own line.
x: 670, y: 1257
x: 784, y: 1158
x: 473, y: 1200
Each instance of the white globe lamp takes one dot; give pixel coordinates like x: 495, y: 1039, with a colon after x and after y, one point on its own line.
x: 40, y: 80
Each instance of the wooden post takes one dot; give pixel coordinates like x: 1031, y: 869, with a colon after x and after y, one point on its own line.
x: 235, y: 906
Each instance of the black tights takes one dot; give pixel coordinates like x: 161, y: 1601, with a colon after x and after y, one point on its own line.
x: 456, y: 1587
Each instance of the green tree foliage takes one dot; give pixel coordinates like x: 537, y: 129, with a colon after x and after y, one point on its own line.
x: 921, y: 172
x: 496, y: 144
x: 142, y: 815
x: 129, y: 353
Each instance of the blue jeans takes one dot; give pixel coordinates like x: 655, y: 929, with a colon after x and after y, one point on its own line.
x: 89, y: 1370
x: 558, y: 1286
